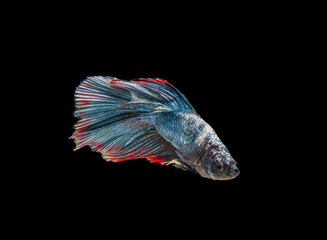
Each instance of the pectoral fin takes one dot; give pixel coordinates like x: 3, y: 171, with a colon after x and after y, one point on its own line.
x: 182, y: 165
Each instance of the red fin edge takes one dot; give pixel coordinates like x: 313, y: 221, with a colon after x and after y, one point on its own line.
x: 160, y: 160
x: 157, y: 80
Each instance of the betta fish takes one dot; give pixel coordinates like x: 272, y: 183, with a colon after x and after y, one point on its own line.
x: 148, y: 118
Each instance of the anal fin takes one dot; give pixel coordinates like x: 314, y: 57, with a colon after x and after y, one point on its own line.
x: 164, y: 160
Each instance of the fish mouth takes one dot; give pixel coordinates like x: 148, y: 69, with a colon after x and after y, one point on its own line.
x: 232, y: 173
x: 225, y: 176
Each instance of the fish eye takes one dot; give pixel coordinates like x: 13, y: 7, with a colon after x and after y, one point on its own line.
x: 219, y: 167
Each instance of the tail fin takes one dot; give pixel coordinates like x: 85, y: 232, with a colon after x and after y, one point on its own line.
x: 116, y: 117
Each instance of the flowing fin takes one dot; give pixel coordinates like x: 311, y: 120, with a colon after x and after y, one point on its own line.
x: 141, y: 142
x: 164, y: 160
x: 166, y: 93
x: 116, y: 119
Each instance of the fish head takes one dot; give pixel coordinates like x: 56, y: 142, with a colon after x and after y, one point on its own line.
x: 217, y: 164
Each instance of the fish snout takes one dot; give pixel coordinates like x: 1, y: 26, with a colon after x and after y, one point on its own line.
x: 234, y: 172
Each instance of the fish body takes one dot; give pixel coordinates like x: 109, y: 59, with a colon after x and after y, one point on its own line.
x: 148, y: 118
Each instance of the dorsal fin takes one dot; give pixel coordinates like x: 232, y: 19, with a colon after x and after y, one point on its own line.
x: 158, y: 91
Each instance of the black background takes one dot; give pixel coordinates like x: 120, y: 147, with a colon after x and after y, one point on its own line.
x: 234, y: 68
x: 229, y: 81
x: 229, y: 78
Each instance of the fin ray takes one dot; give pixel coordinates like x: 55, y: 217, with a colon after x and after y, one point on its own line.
x: 116, y: 118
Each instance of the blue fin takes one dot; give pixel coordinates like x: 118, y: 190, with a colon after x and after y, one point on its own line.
x: 166, y: 94
x: 116, y: 117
